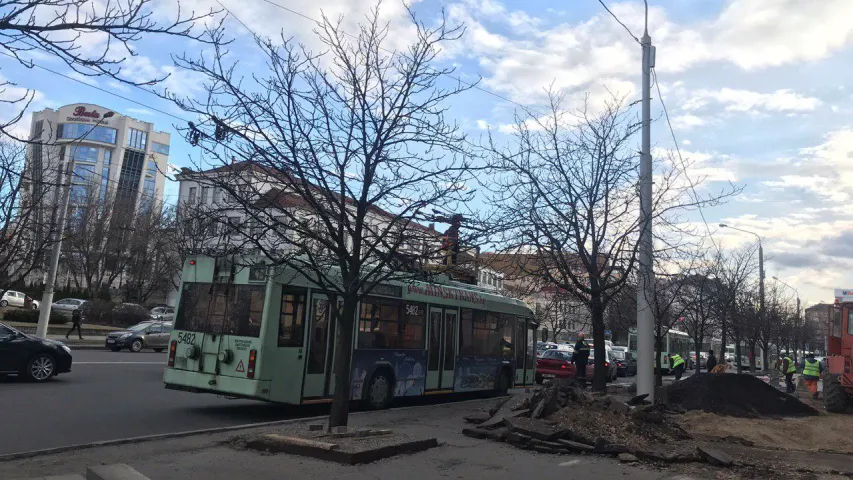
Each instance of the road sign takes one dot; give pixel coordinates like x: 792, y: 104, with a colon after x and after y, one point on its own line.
x: 240, y: 367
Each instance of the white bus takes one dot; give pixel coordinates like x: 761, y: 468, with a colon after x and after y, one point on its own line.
x: 675, y: 341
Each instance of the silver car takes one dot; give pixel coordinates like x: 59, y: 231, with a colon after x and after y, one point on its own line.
x: 153, y: 335
x: 166, y: 314
x: 18, y: 299
x: 67, y: 305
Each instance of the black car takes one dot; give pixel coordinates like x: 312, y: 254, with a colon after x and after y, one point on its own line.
x: 34, y: 358
x: 626, y: 364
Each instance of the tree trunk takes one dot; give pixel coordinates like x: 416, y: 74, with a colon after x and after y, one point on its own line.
x: 339, y: 414
x: 697, y: 346
x: 737, y: 354
x: 599, y: 379
x: 752, y: 356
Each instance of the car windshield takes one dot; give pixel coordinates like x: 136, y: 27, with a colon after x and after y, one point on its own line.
x: 558, y: 355
x: 139, y: 327
x: 618, y: 354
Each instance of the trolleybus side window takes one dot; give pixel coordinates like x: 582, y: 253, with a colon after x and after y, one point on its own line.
x: 434, y: 338
x: 291, y: 321
x: 384, y: 323
x: 506, y: 333
x: 320, y: 317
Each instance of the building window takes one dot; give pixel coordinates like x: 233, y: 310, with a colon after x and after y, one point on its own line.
x: 191, y: 197
x: 160, y: 148
x: 148, y: 188
x: 84, y: 154
x: 105, y: 179
x: 136, y: 139
x: 83, y: 173
x: 80, y: 130
x: 108, y: 157
x: 204, y: 194
x: 131, y: 172
x: 152, y: 167
x: 78, y: 193
x: 217, y: 195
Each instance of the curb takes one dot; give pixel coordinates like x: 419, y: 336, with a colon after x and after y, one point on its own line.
x: 147, y: 438
x: 166, y: 436
x: 86, y: 347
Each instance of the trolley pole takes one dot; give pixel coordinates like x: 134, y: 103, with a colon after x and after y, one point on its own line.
x: 645, y: 319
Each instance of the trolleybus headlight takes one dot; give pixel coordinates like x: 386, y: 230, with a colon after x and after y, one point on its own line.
x: 226, y: 356
x: 191, y: 352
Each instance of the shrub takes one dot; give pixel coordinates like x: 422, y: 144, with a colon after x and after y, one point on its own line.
x: 126, y: 314
x: 97, y: 312
x: 32, y: 316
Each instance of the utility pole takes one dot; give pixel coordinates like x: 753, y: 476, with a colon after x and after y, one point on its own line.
x: 65, y: 192
x: 645, y: 319
x: 47, y: 297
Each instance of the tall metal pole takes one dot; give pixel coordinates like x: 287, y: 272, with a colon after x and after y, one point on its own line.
x: 645, y: 319
x: 761, y: 281
x: 47, y: 296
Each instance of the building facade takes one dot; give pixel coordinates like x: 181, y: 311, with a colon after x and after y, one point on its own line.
x: 113, y: 156
x: 116, y: 153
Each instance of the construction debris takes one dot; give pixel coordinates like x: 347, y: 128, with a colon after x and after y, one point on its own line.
x: 737, y: 395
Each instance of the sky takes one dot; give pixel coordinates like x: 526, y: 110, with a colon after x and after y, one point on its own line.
x: 755, y: 90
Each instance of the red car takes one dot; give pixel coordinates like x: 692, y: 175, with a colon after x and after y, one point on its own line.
x: 558, y: 364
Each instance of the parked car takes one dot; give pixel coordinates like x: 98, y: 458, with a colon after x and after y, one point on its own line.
x: 67, y: 305
x: 609, y: 363
x: 18, y: 299
x: 555, y: 363
x: 152, y: 334
x: 626, y: 364
x: 163, y: 313
x: 36, y: 359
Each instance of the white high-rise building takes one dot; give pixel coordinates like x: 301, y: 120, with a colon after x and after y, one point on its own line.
x: 119, y: 153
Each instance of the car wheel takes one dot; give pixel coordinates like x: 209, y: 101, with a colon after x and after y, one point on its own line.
x: 40, y: 368
x: 136, y: 346
x: 158, y: 350
x: 34, y: 306
x: 379, y: 391
x: 4, y: 304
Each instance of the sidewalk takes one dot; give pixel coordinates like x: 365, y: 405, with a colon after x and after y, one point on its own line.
x: 221, y: 455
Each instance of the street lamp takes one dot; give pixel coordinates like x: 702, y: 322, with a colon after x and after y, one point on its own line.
x: 760, y: 266
x: 47, y: 296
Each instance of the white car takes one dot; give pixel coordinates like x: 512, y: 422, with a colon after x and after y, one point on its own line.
x: 17, y: 299
x: 163, y: 313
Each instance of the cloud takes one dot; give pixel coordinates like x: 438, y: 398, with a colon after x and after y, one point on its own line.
x: 736, y: 100
x: 686, y: 122
x: 139, y: 111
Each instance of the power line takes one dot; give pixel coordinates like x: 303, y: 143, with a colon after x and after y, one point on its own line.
x: 636, y: 39
x: 681, y: 160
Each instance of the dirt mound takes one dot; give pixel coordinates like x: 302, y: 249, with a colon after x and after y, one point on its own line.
x: 735, y: 395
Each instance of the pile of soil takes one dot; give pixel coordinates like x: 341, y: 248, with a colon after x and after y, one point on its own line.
x: 737, y: 395
x: 638, y: 430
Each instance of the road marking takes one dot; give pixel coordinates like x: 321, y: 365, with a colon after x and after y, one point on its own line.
x: 570, y: 463
x: 119, y: 363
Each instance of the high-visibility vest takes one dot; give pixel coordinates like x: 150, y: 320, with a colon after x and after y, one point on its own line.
x: 676, y: 360
x: 791, y: 367
x: 811, y: 368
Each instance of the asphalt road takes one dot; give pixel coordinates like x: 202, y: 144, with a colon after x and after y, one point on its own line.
x: 116, y: 395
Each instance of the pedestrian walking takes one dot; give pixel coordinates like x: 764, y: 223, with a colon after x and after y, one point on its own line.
x: 678, y: 365
x: 712, y: 361
x: 789, y: 369
x: 580, y: 358
x: 75, y: 323
x: 811, y: 374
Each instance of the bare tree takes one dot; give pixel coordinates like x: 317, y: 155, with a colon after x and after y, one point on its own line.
x: 93, y: 38
x: 566, y: 190
x: 330, y: 161
x: 700, y: 318
x: 154, y: 257
x: 26, y: 232
x: 735, y: 272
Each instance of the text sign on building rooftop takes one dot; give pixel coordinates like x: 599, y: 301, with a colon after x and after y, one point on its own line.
x: 80, y: 114
x: 842, y: 296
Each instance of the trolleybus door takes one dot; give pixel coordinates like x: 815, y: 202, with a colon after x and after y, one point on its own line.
x: 320, y: 338
x: 443, y: 325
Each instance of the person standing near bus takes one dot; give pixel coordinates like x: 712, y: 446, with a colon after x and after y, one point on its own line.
x: 677, y: 365
x: 580, y: 358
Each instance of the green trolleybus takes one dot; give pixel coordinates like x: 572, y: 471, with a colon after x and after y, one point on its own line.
x: 258, y: 334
